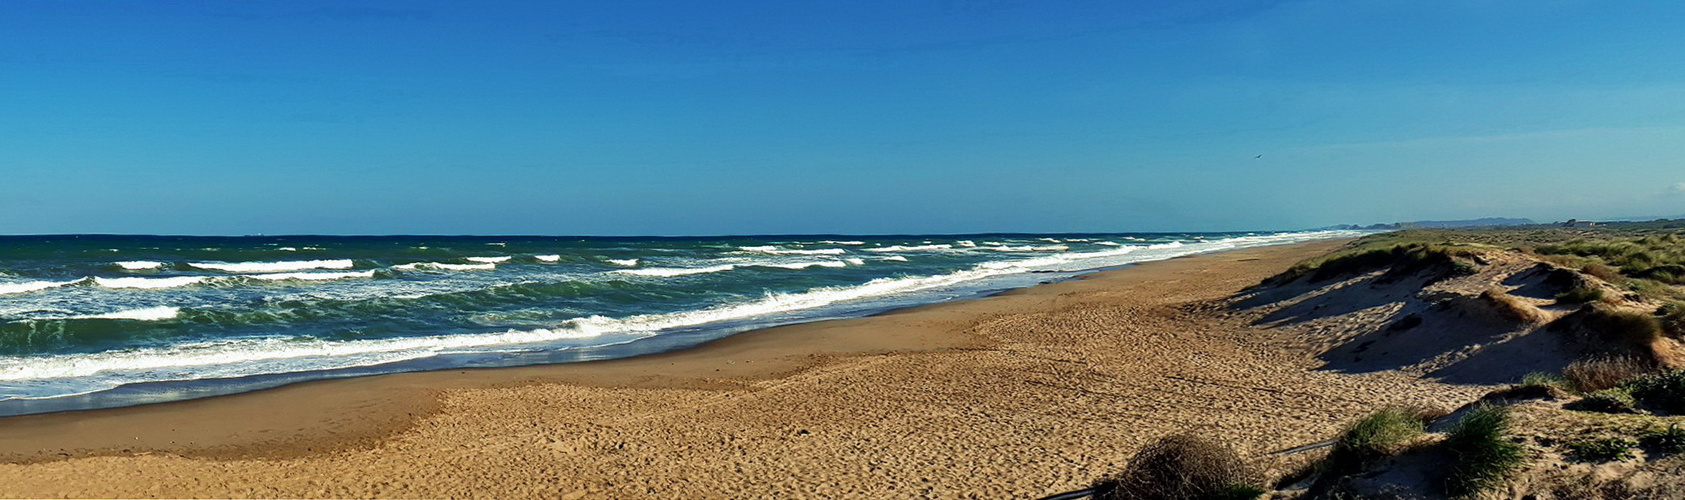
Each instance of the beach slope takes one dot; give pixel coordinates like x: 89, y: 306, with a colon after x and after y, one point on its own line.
x: 1031, y: 392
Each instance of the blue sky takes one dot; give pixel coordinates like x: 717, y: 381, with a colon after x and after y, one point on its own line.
x: 637, y: 118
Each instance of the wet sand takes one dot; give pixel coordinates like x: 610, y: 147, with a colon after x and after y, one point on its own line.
x: 1031, y: 392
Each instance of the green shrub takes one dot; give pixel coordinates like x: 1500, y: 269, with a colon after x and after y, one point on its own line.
x: 1484, y: 454
x: 1612, y: 400
x: 1671, y: 440
x: 1383, y: 433
x: 1661, y: 391
x: 1602, y: 450
x: 1631, y: 328
x: 1180, y: 466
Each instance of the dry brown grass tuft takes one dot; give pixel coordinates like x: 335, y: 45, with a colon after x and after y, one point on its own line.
x: 1513, y: 308
x: 1180, y: 466
x: 1602, y: 373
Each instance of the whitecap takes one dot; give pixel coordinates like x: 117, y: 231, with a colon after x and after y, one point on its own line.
x: 272, y: 267
x: 148, y: 283
x: 490, y: 260
x: 896, y: 258
x: 139, y: 265
x: 441, y: 266
x: 623, y: 262
x: 548, y: 258
x: 851, y: 243
x: 312, y: 276
x: 856, y: 261
x: 666, y: 272
x: 802, y: 265
x: 899, y: 248
x: 769, y: 249
x: 1031, y: 248
x: 30, y: 286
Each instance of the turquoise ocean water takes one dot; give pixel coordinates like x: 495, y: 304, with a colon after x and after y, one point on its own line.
x: 103, y: 321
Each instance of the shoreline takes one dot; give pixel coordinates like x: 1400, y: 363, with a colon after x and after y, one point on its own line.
x: 39, y: 436
x: 754, y: 408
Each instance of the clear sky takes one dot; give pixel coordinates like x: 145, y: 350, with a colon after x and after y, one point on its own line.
x: 730, y: 117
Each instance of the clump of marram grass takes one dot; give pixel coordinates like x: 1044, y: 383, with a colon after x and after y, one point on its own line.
x: 1670, y: 440
x: 1484, y: 455
x: 1663, y: 391
x: 1596, y: 374
x: 1401, y: 255
x: 1602, y: 271
x: 1611, y: 400
x: 1671, y: 316
x: 1631, y: 328
x: 1548, y: 383
x: 1602, y: 450
x: 1381, y: 434
x: 1580, y: 295
x: 1182, y: 466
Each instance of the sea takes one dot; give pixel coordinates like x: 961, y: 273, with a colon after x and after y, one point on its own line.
x: 99, y: 321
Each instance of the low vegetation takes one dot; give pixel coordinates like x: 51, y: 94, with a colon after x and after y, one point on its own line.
x: 1611, y: 400
x: 1662, y: 392
x: 1601, y: 373
x: 1182, y: 466
x: 1484, y: 454
x: 1603, y: 450
x: 1381, y: 434
x: 1670, y: 440
x: 1401, y: 253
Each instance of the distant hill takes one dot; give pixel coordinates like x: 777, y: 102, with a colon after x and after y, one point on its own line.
x: 1441, y: 224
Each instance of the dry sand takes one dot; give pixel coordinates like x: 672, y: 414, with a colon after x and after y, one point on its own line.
x: 1032, y: 392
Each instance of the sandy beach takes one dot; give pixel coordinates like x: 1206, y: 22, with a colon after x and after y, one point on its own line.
x: 1027, y: 393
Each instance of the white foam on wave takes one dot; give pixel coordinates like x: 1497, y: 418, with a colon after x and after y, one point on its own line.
x: 852, y: 243
x: 967, y: 243
x: 896, y: 258
x: 254, y: 356
x: 773, y: 250
x: 312, y: 276
x: 548, y: 258
x: 139, y: 265
x: 855, y: 261
x: 623, y: 262
x: 490, y: 260
x: 148, y: 314
x: 1108, y: 243
x: 441, y: 266
x: 149, y: 283
x: 802, y: 265
x: 274, y: 267
x: 1031, y: 248
x: 1050, y: 240
x: 918, y: 248
x: 667, y: 272
x: 30, y: 286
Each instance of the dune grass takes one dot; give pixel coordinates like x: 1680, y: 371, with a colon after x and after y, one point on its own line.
x: 1405, y: 252
x: 1596, y: 374
x: 1484, y: 454
x: 1381, y: 434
